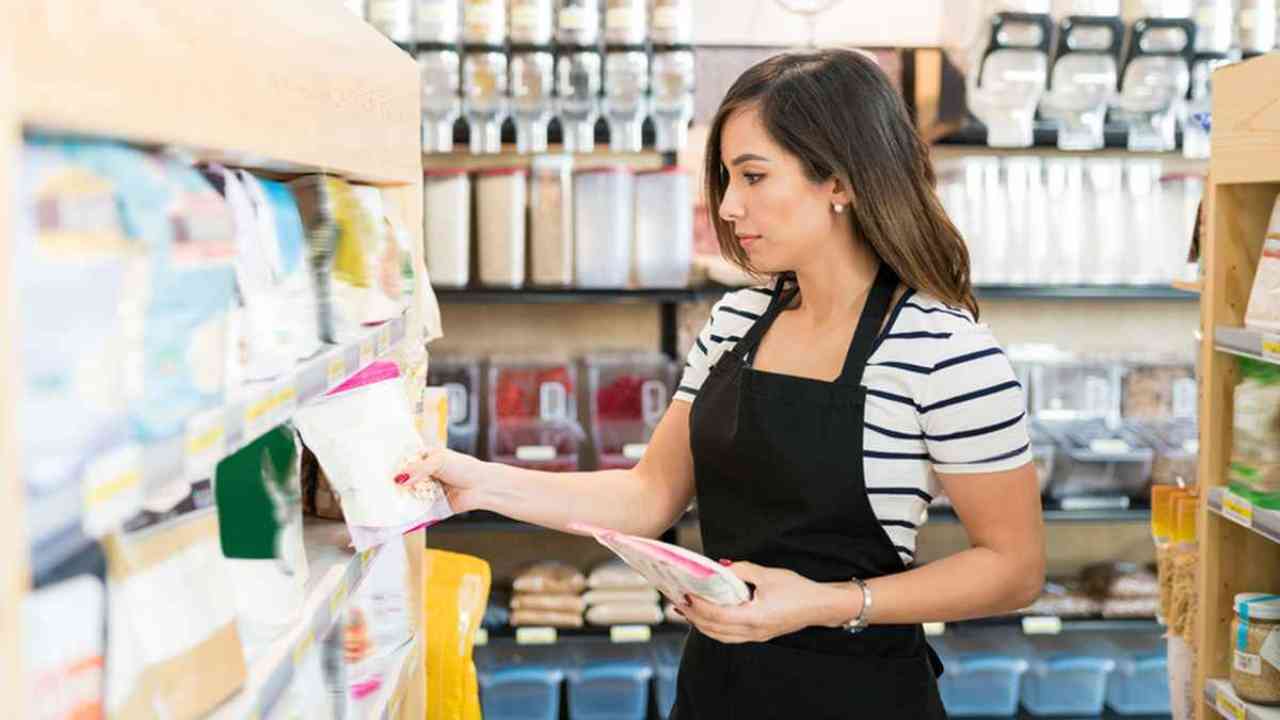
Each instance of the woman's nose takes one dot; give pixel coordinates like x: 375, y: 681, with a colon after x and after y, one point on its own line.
x: 731, y: 209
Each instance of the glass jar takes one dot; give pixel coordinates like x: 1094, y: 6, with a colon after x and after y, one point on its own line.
x: 1255, y: 640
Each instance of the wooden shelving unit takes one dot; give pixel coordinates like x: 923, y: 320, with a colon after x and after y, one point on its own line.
x: 1244, y: 173
x: 284, y: 88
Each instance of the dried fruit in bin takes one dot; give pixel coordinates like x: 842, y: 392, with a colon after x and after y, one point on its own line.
x: 623, y: 399
x: 518, y: 393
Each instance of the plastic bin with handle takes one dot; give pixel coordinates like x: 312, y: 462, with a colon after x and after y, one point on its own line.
x: 1068, y: 674
x: 533, y: 413
x: 629, y: 394
x: 460, y: 377
x: 520, y: 683
x: 1140, y: 683
x: 984, y: 669
x: 607, y: 681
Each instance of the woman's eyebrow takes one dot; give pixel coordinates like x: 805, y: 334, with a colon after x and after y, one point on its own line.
x: 747, y: 157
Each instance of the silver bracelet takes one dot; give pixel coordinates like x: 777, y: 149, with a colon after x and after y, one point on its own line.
x: 860, y: 623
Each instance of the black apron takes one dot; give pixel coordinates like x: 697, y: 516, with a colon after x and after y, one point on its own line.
x: 779, y: 474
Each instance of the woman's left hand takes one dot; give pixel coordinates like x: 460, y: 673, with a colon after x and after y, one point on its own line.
x: 783, y: 603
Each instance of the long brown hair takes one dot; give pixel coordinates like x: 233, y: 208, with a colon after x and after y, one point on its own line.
x: 838, y: 113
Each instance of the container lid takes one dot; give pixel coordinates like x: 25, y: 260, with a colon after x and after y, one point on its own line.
x: 1257, y: 606
x: 512, y: 170
x: 444, y: 172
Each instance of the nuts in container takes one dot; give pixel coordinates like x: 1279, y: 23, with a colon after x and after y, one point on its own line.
x: 1158, y: 389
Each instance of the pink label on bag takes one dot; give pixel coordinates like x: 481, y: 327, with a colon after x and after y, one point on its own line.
x: 375, y: 373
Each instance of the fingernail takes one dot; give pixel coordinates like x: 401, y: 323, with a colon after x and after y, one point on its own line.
x: 726, y: 563
x: 687, y: 600
x: 402, y: 478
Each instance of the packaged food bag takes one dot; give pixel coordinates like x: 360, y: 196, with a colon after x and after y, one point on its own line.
x: 557, y: 603
x: 1255, y: 434
x: 625, y: 614
x: 317, y: 208
x: 616, y: 575
x: 457, y: 590
x: 174, y: 649
x: 675, y: 571
x: 64, y: 639
x: 363, y: 435
x: 552, y: 578
x: 1263, y: 312
x: 259, y: 499
x: 297, y: 281
x: 384, y: 257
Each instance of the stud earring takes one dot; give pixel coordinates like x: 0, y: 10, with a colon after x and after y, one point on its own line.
x: 838, y: 208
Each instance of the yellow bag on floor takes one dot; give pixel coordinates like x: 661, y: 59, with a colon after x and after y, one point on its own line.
x: 457, y: 594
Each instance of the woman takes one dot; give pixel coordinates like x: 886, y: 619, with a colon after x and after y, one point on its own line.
x: 820, y: 414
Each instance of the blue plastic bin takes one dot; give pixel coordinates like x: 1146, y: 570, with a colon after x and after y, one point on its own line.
x: 608, y: 681
x: 984, y: 669
x: 1140, y: 683
x: 519, y: 683
x: 1068, y: 675
x: 667, y: 651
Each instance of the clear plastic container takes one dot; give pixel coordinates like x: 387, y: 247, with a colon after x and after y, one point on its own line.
x: 603, y: 226
x: 626, y: 22
x: 672, y: 102
x: 1074, y: 390
x: 984, y: 669
x: 664, y: 228
x: 1158, y: 388
x: 533, y: 79
x: 578, y: 23
x: 441, y: 74
x: 1095, y: 459
x: 484, y: 22
x: 519, y: 682
x: 671, y: 22
x: 460, y: 377
x: 607, y: 681
x: 532, y: 22
x: 1140, y: 683
x: 500, y: 226
x: 1176, y: 444
x: 1257, y: 25
x: 533, y: 415
x: 551, y: 221
x: 579, y: 77
x: 1043, y: 454
x: 485, y: 98
x: 629, y: 395
x: 437, y: 21
x: 446, y: 213
x: 667, y: 652
x: 1068, y: 675
x: 625, y: 105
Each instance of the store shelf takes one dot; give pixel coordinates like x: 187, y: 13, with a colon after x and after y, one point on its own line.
x: 1220, y: 696
x: 626, y: 634
x: 336, y: 573
x: 1082, y: 292
x: 1045, y: 625
x: 1044, y: 134
x: 1247, y: 343
x: 547, y: 296
x: 1191, y: 286
x: 1240, y: 511
x: 1075, y: 510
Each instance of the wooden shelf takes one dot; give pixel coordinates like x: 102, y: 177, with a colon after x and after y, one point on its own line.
x: 1241, y: 512
x: 1246, y: 122
x: 1196, y: 286
x: 286, y: 86
x: 1252, y: 344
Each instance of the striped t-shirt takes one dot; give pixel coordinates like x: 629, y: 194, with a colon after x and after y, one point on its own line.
x: 941, y: 397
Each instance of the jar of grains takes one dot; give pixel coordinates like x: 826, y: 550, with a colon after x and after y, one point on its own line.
x: 1255, y: 638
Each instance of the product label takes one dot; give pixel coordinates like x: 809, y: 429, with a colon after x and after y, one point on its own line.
x: 535, y: 636
x: 630, y: 634
x: 536, y: 453
x: 1271, y: 649
x: 1248, y: 663
x: 270, y: 409
x: 112, y: 490
x: 304, y: 647
x: 337, y: 371
x: 1237, y: 509
x: 1229, y: 706
x: 1271, y: 347
x: 206, y: 444
x: 1042, y: 625
x: 528, y: 19
x: 1109, y: 446
x: 339, y: 597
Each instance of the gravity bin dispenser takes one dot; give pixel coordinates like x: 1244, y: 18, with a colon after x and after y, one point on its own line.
x: 1082, y: 84
x: 1155, y: 81
x: 1011, y: 76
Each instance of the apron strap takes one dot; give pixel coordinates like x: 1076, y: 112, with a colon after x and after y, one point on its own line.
x: 873, y: 315
x: 747, y: 345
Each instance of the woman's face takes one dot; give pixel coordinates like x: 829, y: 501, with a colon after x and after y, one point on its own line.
x: 782, y: 218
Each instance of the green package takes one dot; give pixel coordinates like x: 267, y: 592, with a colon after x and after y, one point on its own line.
x: 259, y: 496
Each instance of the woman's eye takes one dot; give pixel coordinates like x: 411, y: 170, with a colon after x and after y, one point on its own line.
x: 752, y: 178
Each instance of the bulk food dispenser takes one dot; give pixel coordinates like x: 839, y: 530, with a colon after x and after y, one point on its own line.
x: 484, y: 71
x: 532, y: 72
x: 1157, y: 74
x: 626, y: 73
x: 440, y: 66
x: 578, y: 72
x: 1086, y: 67
x: 671, y: 31
x: 1011, y: 71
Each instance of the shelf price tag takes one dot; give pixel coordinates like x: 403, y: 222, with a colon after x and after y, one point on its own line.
x: 206, y: 444
x: 1237, y: 509
x: 630, y: 633
x: 1042, y: 626
x: 304, y: 647
x: 1229, y: 706
x: 339, y: 597
x: 112, y: 490
x: 367, y: 352
x: 535, y: 636
x: 366, y: 557
x: 1271, y: 347
x: 337, y: 371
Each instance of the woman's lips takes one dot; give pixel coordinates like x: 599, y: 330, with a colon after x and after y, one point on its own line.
x: 747, y: 240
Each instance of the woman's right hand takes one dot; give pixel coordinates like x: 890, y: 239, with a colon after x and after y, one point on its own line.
x: 459, y: 474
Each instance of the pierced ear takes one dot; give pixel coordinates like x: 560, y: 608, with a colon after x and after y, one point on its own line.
x: 840, y: 195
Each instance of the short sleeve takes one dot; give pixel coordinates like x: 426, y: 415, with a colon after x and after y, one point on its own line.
x: 731, y: 317
x: 974, y: 410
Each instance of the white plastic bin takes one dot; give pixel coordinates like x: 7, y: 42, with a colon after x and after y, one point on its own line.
x: 551, y: 221
x: 500, y: 225
x: 447, y: 226
x: 664, y: 228
x: 603, y: 211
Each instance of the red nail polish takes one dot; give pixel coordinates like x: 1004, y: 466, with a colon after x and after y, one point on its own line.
x: 687, y: 600
x: 726, y: 563
x: 402, y: 478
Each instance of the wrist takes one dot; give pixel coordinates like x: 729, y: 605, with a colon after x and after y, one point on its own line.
x: 842, y: 604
